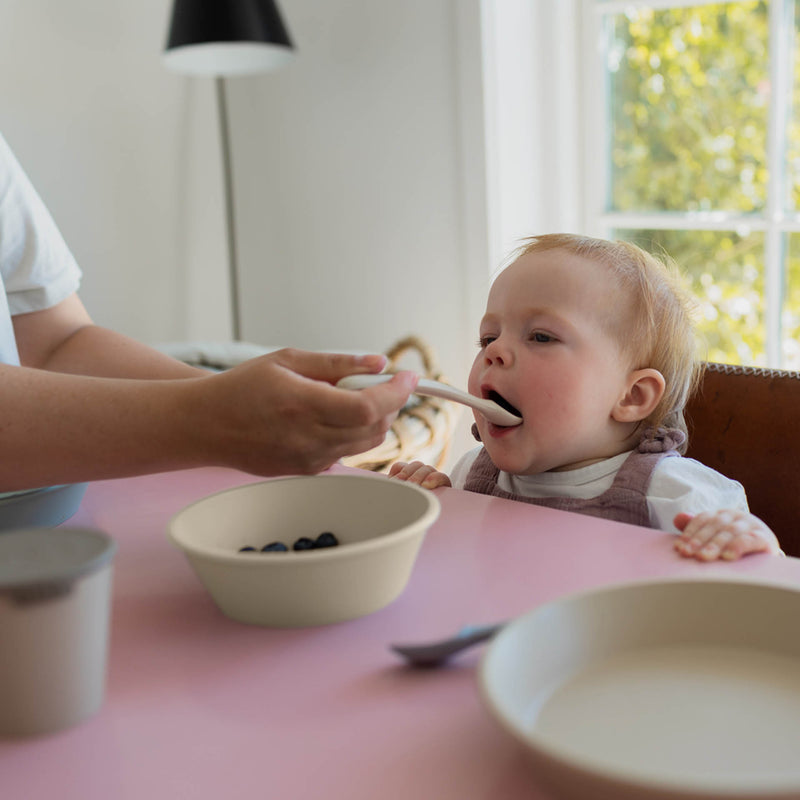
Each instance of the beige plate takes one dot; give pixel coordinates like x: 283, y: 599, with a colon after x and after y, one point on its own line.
x: 658, y: 690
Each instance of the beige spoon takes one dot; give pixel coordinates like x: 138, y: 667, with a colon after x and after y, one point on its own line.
x: 491, y: 410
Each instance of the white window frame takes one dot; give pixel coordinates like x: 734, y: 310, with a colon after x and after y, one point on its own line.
x: 773, y: 220
x: 532, y: 119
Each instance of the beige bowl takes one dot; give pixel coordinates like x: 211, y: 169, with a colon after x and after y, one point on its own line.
x: 380, y: 524
x: 655, y: 691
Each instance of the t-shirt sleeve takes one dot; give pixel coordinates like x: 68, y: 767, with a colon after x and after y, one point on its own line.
x: 683, y: 484
x: 38, y: 269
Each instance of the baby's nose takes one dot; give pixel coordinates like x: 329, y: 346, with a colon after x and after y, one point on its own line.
x: 498, y: 354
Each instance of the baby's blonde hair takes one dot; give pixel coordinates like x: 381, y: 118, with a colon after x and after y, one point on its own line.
x: 658, y: 331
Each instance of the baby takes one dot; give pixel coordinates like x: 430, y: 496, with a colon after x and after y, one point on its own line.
x: 592, y: 344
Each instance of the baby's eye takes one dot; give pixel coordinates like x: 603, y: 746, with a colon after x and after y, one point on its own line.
x: 485, y: 341
x: 541, y: 337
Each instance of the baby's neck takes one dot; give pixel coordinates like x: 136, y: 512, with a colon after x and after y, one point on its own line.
x: 586, y: 463
x: 614, y: 448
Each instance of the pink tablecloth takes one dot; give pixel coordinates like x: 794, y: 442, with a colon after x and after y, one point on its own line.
x: 202, y: 707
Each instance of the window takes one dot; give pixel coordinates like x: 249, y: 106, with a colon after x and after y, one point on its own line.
x: 699, y: 157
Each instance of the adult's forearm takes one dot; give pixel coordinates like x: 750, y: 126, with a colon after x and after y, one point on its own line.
x: 59, y: 428
x: 101, y: 352
x: 272, y: 415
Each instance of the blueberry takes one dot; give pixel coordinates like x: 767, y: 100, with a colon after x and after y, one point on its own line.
x: 274, y: 547
x: 247, y: 549
x: 326, y: 539
x: 303, y: 543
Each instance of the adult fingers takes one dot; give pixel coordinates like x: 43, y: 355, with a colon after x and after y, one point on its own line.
x: 329, y: 367
x: 391, y: 396
x: 373, y: 408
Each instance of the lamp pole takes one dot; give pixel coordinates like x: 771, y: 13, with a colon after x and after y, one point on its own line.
x: 230, y: 217
x: 222, y: 38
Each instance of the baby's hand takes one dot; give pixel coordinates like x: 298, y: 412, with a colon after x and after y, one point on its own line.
x: 417, y: 472
x: 724, y: 534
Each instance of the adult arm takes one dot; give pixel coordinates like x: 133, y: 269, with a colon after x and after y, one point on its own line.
x: 89, y: 404
x: 64, y: 339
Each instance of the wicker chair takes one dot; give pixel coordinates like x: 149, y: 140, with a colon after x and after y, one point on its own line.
x: 742, y: 423
x: 424, y: 428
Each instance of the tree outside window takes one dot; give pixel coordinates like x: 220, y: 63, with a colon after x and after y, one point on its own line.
x: 702, y: 160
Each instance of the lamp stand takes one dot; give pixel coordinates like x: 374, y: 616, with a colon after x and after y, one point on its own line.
x: 230, y: 221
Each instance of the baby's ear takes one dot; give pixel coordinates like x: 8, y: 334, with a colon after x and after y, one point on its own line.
x: 643, y: 392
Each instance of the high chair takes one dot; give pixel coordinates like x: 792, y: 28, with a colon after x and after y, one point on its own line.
x: 744, y: 422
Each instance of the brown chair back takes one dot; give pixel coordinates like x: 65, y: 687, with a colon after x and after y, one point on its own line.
x: 745, y: 423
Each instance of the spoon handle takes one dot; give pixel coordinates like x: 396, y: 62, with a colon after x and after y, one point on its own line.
x: 433, y: 654
x: 479, y: 633
x: 425, y: 386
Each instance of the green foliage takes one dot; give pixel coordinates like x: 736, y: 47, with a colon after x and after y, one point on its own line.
x: 689, y: 93
x: 791, y: 307
x: 724, y: 273
x: 689, y: 108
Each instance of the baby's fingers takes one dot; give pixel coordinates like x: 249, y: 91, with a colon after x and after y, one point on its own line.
x: 682, y: 520
x: 706, y: 536
x: 421, y: 474
x: 726, y: 534
x: 696, y: 533
x: 742, y: 544
x: 397, y: 468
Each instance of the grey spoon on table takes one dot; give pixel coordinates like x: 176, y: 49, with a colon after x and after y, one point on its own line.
x: 434, y: 654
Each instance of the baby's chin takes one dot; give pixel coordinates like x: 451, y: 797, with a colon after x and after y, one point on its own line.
x: 514, y: 463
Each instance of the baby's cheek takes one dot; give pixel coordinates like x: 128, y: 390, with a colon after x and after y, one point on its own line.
x: 474, y: 383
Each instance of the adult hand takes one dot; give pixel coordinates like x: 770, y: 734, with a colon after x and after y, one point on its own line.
x: 281, y: 414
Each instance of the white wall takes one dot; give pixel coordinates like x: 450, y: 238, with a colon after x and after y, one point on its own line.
x: 348, y: 169
x: 359, y: 172
x: 93, y: 118
x: 349, y: 180
x: 533, y: 105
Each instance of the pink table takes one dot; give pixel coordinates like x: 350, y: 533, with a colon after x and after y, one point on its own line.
x: 202, y: 707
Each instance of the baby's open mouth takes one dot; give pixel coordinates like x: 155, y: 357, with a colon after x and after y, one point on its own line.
x: 502, y: 402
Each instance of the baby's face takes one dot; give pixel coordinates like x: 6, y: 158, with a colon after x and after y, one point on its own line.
x: 546, y: 349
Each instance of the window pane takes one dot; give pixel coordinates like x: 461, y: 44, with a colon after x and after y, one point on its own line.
x: 725, y: 274
x: 791, y: 306
x: 793, y: 132
x: 688, y: 95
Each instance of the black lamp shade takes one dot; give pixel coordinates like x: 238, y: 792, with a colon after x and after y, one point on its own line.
x: 226, y: 37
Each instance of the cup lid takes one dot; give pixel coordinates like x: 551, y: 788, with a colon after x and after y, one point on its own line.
x: 36, y: 556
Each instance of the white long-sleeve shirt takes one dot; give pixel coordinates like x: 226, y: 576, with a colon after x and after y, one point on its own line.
x: 677, y: 484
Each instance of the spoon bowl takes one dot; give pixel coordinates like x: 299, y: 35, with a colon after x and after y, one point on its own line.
x: 492, y: 411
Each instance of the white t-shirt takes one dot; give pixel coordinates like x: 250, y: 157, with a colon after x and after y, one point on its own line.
x: 37, y: 270
x: 677, y: 484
